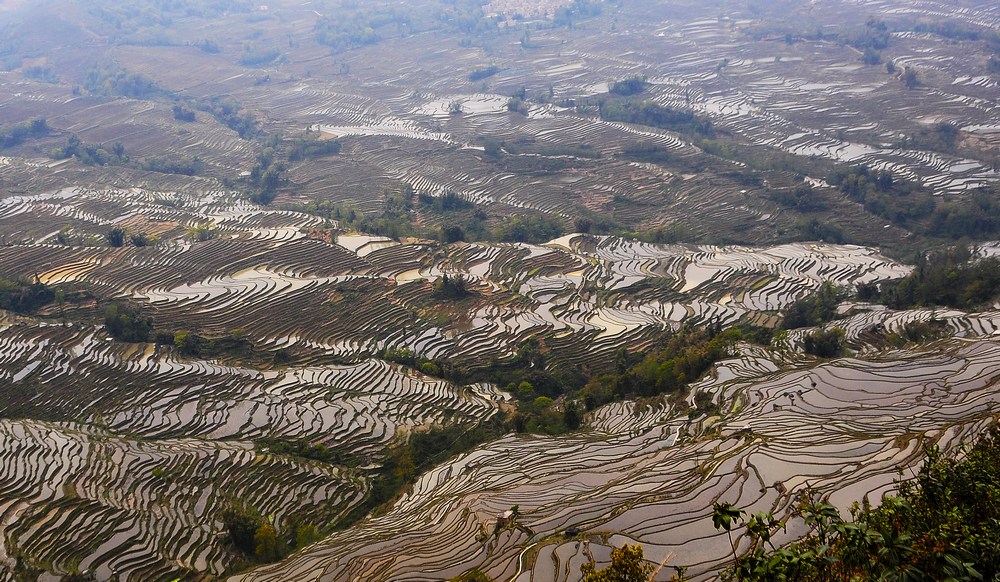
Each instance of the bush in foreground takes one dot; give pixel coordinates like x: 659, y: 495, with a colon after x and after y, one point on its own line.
x: 943, y: 525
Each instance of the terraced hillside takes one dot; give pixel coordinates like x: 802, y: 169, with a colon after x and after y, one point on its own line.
x: 430, y: 107
x: 641, y: 474
x: 78, y: 499
x: 344, y: 227
x: 362, y: 294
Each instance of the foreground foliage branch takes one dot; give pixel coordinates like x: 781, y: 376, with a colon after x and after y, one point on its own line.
x: 943, y: 525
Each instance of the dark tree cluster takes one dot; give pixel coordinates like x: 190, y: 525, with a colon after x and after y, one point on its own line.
x: 874, y: 35
x: 230, y: 113
x: 254, y: 56
x: 940, y: 137
x: 654, y: 115
x: 24, y: 296
x: 42, y: 74
x: 16, y: 134
x: 183, y: 165
x: 517, y: 104
x: 118, y: 237
x: 303, y: 449
x: 976, y: 217
x: 312, y: 146
x: 529, y: 228
x: 206, y: 45
x: 266, y: 177
x: 129, y: 17
x: 349, y: 30
x: 957, y: 31
x: 126, y: 322
x: 577, y: 10
x: 871, y: 57
x: 686, y: 356
x: 674, y: 232
x: 483, y: 73
x: 629, y: 87
x: 183, y: 112
x: 447, y: 202
x: 814, y: 309
x: 824, y: 343
x: 261, y: 541
x: 451, y: 288
x: 952, y: 278
x: 424, y: 449
x: 112, y: 80
x: 649, y: 152
x: 802, y: 198
x: 815, y: 229
x: 91, y: 155
x: 898, y: 201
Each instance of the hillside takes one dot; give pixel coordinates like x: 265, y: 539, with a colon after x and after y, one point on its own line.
x: 317, y: 290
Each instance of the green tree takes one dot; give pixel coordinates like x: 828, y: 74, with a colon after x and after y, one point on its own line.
x: 627, y: 565
x: 187, y: 343
x: 125, y: 322
x: 824, y: 343
x: 116, y: 236
x: 139, y: 239
x: 571, y: 416
x: 265, y: 542
x: 944, y: 525
x: 305, y: 535
x: 24, y: 296
x: 871, y: 56
x: 814, y: 309
x: 242, y: 523
x: 455, y: 287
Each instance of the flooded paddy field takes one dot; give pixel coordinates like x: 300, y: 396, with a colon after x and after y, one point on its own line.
x: 408, y: 113
x: 361, y: 294
x: 641, y: 474
x: 119, y: 459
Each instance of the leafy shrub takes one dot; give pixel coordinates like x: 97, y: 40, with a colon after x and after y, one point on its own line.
x: 12, y: 135
x: 814, y: 309
x: 630, y: 86
x: 112, y: 80
x: 953, y: 278
x: 24, y: 296
x: 824, y: 343
x: 943, y: 525
x: 654, y: 115
x: 531, y: 228
x: 126, y: 322
x: 484, y: 73
x: 116, y: 236
x: 182, y: 113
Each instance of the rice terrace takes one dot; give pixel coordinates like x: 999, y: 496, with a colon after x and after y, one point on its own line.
x: 505, y: 290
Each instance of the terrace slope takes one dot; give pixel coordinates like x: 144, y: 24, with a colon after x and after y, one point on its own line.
x: 259, y: 154
x: 362, y: 294
x: 843, y: 428
x: 781, y: 110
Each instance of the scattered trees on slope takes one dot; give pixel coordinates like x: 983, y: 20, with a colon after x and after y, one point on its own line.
x: 627, y: 565
x: 814, y: 309
x: 126, y: 322
x: 16, y: 134
x: 24, y: 296
x: 952, y: 278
